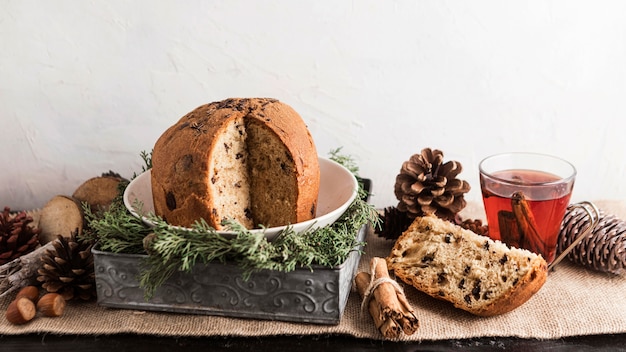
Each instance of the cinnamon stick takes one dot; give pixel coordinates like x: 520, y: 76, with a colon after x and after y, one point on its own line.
x: 530, y: 237
x: 387, y: 305
x: 509, y: 231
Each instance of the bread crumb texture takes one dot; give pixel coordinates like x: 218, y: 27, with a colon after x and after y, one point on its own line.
x: 475, y: 273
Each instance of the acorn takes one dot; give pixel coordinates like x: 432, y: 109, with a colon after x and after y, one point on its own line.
x: 21, y: 311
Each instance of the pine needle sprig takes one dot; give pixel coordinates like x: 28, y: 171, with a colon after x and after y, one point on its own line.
x: 147, y: 162
x: 116, y: 230
x: 175, y: 249
x: 346, y: 160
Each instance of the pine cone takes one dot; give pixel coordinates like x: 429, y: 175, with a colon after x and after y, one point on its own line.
x: 69, y: 269
x: 474, y: 225
x: 17, y: 237
x: 393, y: 223
x: 426, y: 185
x: 604, y: 249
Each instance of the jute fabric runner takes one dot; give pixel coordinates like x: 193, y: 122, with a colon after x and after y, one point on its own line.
x: 574, y: 301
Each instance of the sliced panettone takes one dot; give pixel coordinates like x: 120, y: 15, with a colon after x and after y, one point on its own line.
x: 248, y: 159
x: 473, y: 272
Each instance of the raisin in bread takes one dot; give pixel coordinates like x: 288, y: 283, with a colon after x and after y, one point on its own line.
x: 251, y: 160
x: 475, y: 273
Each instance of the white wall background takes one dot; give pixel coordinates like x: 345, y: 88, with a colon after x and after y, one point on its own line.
x: 85, y: 86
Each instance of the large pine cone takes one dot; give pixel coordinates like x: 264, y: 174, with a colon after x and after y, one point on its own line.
x: 17, y: 236
x: 604, y: 249
x: 68, y: 269
x: 426, y: 185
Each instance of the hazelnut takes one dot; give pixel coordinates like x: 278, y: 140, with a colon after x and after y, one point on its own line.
x: 21, y: 311
x: 30, y: 292
x: 51, y: 305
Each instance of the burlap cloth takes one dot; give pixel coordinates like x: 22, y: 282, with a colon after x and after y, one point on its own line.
x: 574, y: 301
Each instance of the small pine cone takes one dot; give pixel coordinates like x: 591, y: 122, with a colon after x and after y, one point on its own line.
x: 68, y: 269
x: 474, y: 225
x: 604, y: 249
x: 17, y: 236
x: 427, y: 186
x: 393, y: 223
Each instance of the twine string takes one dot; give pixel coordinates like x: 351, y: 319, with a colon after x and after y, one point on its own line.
x: 373, y: 285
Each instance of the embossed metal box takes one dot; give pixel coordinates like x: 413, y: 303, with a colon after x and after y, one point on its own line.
x: 304, y: 295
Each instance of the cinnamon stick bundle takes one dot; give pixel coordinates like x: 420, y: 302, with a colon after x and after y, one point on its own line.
x: 385, y: 301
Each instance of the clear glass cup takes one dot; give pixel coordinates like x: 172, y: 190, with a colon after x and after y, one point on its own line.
x: 526, y: 196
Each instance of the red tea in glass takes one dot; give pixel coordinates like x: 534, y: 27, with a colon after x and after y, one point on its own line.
x: 525, y: 198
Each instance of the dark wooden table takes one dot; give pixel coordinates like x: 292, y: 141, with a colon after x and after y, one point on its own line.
x: 136, y: 343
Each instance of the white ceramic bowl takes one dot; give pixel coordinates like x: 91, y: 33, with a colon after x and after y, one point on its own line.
x: 338, y: 188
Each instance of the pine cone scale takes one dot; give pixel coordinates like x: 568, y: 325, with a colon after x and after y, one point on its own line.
x: 454, y: 185
x: 457, y: 205
x: 444, y: 200
x: 416, y: 188
x: 425, y: 199
x: 440, y: 181
x: 412, y: 169
x: 452, y: 168
x: 13, y: 238
x: 47, y: 266
x: 437, y: 192
x: 23, y: 248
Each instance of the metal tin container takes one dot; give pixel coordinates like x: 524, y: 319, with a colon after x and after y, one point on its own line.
x: 316, y: 295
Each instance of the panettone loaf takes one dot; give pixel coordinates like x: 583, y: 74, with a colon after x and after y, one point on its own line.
x: 251, y: 160
x: 475, y: 273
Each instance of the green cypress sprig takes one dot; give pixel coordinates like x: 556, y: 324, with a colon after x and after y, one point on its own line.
x: 116, y: 230
x: 174, y: 249
x: 345, y: 160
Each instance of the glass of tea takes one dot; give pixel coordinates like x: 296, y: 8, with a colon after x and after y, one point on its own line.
x: 525, y: 197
